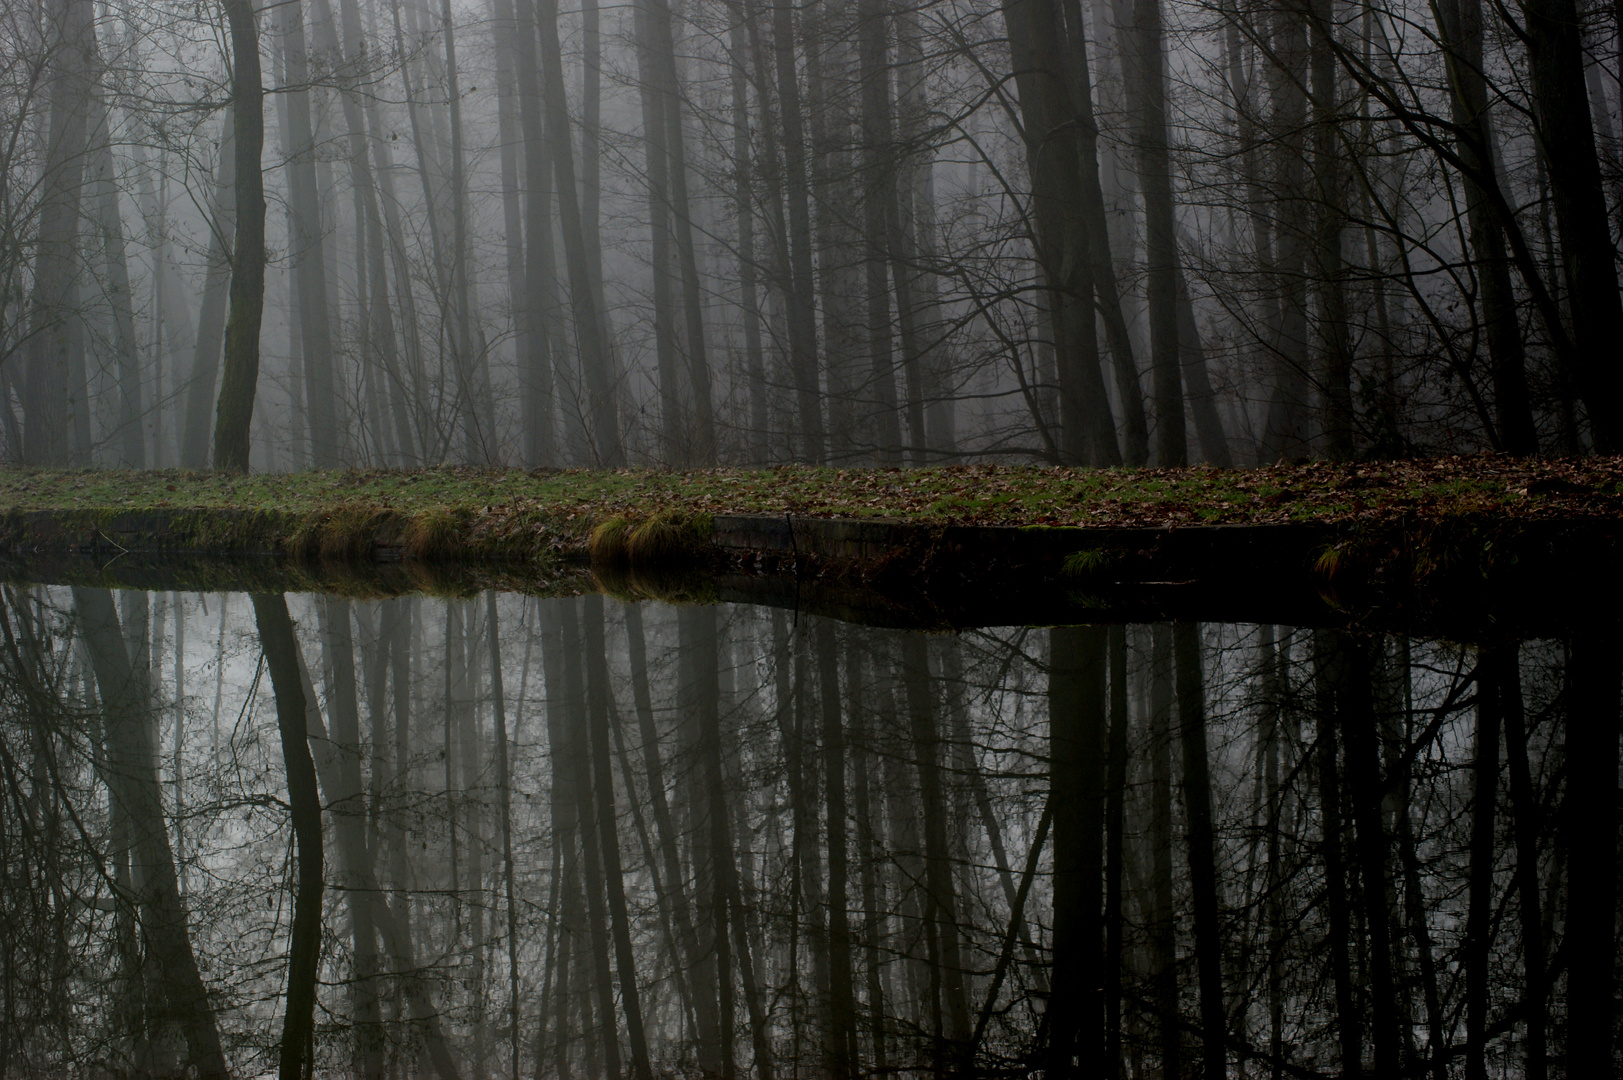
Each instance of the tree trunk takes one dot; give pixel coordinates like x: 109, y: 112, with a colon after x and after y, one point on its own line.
x: 842, y: 1028
x: 1197, y: 800
x: 51, y: 433
x: 1116, y: 753
x: 584, y: 295
x: 1526, y: 813
x: 540, y: 300
x: 308, y: 245
x: 1330, y: 217
x: 1566, y: 134
x: 131, y: 776
x: 879, y: 154
x: 1146, y: 81
x: 1163, y: 945
x: 205, y: 360
x: 1077, y: 715
x: 1589, y: 827
x: 795, y: 251
x: 130, y: 441
x: 758, y: 440
x: 304, y: 800
x: 1285, y: 435
x: 597, y: 724
x: 1460, y: 31
x: 240, y: 366
x: 950, y: 1006
x: 1035, y: 36
x: 1479, y: 887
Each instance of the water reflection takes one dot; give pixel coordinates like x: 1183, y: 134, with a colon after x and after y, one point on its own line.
x: 508, y: 836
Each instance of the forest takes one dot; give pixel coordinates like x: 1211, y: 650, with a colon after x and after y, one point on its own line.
x: 852, y: 232
x: 417, y: 657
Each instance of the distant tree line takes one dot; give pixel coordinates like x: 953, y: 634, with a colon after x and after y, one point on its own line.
x: 391, y: 232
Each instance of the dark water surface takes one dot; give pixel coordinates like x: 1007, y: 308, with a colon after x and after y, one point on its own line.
x: 580, y: 837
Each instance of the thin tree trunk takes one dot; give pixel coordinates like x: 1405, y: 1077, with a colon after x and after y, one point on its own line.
x: 1146, y: 82
x: 240, y: 366
x: 304, y: 799
x: 308, y: 245
x: 1339, y: 924
x: 1197, y: 800
x: 1566, y: 134
x: 52, y: 392
x: 1479, y: 887
x: 1285, y: 435
x: 948, y: 994
x: 1077, y: 713
x: 349, y: 824
x: 539, y: 300
x: 842, y: 1028
x: 743, y: 211
x: 597, y: 694
x: 1116, y: 753
x: 1460, y: 31
x: 795, y: 244
x: 1526, y: 814
x: 131, y: 443
x: 1162, y: 918
x: 205, y: 359
x: 584, y: 295
x: 1355, y: 715
x: 1589, y: 827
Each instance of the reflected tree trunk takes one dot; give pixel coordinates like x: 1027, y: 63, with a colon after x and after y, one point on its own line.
x: 1589, y: 825
x: 132, y: 782
x: 1197, y: 798
x: 1078, y: 714
x: 304, y: 946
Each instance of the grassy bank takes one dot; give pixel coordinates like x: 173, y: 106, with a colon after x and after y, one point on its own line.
x: 443, y: 513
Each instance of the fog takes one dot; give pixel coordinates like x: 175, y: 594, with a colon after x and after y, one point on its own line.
x: 1139, y: 231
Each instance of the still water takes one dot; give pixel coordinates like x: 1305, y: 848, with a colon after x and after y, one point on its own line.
x: 507, y: 836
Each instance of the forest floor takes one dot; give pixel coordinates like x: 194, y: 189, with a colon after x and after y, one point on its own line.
x: 491, y: 504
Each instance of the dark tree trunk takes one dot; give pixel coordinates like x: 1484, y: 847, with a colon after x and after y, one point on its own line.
x: 304, y: 800
x: 131, y: 776
x: 1566, y: 134
x: 597, y: 707
x: 1589, y: 827
x: 1479, y: 887
x: 1077, y: 710
x: 240, y: 367
x: 1146, y: 81
x: 1526, y: 813
x: 1036, y: 36
x: 1197, y: 799
x: 1460, y: 30
x: 842, y: 1028
x: 205, y: 368
x: 54, y: 402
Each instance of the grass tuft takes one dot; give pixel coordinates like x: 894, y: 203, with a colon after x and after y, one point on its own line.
x: 347, y: 532
x: 434, y: 533
x: 669, y: 538
x: 1084, y: 565
x: 607, y: 545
